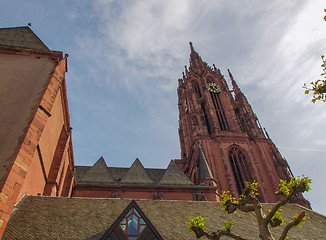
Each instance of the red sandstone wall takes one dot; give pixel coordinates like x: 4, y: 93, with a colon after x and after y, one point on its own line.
x: 24, y: 173
x: 144, y: 193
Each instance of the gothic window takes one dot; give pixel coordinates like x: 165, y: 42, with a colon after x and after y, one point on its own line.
x: 209, y: 128
x: 197, y: 90
x: 239, y: 167
x: 132, y: 224
x: 219, y: 111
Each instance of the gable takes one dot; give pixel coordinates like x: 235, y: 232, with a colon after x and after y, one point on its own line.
x: 174, y: 176
x: 132, y: 224
x: 23, y: 80
x: 136, y: 174
x: 98, y: 174
x: 22, y: 37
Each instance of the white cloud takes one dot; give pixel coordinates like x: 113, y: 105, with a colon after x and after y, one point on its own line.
x: 272, y: 48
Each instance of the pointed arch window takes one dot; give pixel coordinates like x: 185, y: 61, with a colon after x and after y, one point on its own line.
x: 132, y: 224
x: 219, y: 111
x: 209, y: 127
x: 239, y: 167
x: 197, y: 89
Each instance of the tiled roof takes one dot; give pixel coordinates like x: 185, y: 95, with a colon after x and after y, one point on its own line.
x: 98, y: 174
x: 204, y: 170
x: 80, y: 218
x: 173, y: 175
x: 136, y: 174
x: 22, y: 37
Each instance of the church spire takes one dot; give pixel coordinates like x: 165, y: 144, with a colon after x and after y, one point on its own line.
x: 238, y: 93
x: 204, y: 170
x: 234, y: 84
x: 195, y: 59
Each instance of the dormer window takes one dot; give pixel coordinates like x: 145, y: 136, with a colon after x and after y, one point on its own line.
x: 132, y: 224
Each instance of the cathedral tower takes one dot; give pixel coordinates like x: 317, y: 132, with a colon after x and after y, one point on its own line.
x: 222, y: 142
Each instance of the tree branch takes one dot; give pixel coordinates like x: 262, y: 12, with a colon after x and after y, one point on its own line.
x: 247, y: 208
x: 257, y: 207
x: 216, y: 235
x: 295, y: 222
x: 277, y: 205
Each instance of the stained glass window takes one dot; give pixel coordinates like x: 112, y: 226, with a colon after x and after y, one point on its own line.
x: 132, y: 224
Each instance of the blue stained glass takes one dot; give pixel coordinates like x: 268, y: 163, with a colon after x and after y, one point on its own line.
x: 129, y: 212
x: 123, y: 227
x: 136, y: 212
x: 132, y: 229
x: 133, y: 225
x: 133, y: 218
x: 141, y: 228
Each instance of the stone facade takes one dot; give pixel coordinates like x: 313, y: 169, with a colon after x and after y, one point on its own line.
x: 218, y: 130
x: 138, y: 182
x: 36, y: 149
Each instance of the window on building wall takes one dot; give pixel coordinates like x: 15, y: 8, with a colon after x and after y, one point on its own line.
x: 209, y: 128
x: 132, y: 224
x: 239, y: 167
x: 219, y: 111
x: 197, y: 90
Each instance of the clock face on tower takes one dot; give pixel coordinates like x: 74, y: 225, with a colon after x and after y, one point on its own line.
x: 213, y: 87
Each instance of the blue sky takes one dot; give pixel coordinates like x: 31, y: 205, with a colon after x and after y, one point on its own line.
x: 125, y: 58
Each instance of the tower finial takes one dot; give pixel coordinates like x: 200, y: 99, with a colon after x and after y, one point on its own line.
x: 191, y: 47
x: 195, y: 59
x: 234, y: 84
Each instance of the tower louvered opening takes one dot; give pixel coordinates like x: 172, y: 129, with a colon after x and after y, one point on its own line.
x: 219, y: 111
x: 197, y: 90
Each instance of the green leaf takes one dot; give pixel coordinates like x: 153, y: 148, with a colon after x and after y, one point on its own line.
x: 307, y: 91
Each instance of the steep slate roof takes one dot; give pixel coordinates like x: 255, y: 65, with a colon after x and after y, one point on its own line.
x: 50, y: 217
x: 98, y: 174
x: 22, y: 37
x: 174, y: 175
x: 204, y: 170
x: 136, y: 174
